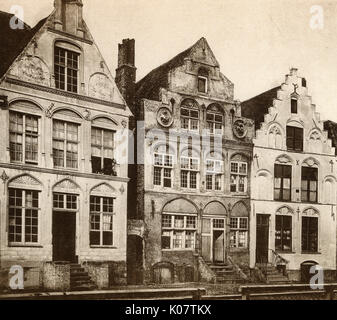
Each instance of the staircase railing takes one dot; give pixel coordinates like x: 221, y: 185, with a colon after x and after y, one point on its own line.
x: 277, y: 259
x: 237, y: 268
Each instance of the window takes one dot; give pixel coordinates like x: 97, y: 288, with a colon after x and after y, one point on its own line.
x: 23, y: 216
x: 283, y: 233
x: 309, y: 234
x: 178, y: 231
x: 294, y: 138
x: 239, y: 232
x: 309, y: 184
x: 163, y: 170
x: 214, y: 122
x: 202, y: 80
x: 23, y: 133
x: 189, y: 119
x: 189, y: 172
x: 102, y: 147
x: 65, y: 144
x: 101, y: 221
x: 64, y: 201
x: 66, y: 66
x: 282, y: 182
x: 214, y: 172
x: 238, y: 178
x: 293, y: 105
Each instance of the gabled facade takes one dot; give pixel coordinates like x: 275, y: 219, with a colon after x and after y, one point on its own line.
x: 64, y: 170
x: 293, y: 186
x: 193, y: 172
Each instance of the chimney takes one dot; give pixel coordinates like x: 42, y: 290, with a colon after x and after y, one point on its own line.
x: 126, y: 72
x: 69, y: 16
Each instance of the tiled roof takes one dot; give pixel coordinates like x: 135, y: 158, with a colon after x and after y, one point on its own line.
x: 256, y: 107
x: 13, y: 41
x: 331, y: 127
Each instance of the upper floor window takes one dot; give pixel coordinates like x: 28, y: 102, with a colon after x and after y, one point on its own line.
x: 202, y: 80
x: 66, y: 69
x: 239, y: 176
x: 294, y: 138
x: 23, y: 136
x: 65, y: 144
x: 102, y: 151
x: 282, y: 182
x: 189, y: 172
x: 163, y: 165
x: 293, y: 105
x: 214, y: 118
x: 189, y: 115
x: 309, y: 184
x: 23, y: 222
x: 214, y: 172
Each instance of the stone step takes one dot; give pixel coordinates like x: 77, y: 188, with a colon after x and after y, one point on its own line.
x: 80, y: 278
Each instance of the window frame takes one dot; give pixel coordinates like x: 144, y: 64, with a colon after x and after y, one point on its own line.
x: 205, y: 82
x: 163, y: 169
x: 293, y: 105
x: 189, y: 118
x: 189, y: 172
x: 235, y: 230
x: 281, y: 189
x: 308, y: 235
x: 65, y: 202
x: 308, y: 191
x: 24, y: 210
x: 239, y: 175
x: 101, y: 213
x: 292, y: 138
x: 212, y: 123
x: 281, y: 247
x: 24, y: 134
x: 214, y: 174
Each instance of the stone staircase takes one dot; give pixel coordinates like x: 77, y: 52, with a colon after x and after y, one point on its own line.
x: 274, y: 275
x: 225, y: 273
x: 80, y: 279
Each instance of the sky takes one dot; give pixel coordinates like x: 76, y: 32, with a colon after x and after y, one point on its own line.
x: 256, y: 42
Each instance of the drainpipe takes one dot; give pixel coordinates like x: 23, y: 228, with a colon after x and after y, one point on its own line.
x: 228, y: 231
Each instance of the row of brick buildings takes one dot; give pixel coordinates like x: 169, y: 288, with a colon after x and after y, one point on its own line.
x: 108, y: 181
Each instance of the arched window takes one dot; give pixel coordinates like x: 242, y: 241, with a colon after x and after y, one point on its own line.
x: 202, y: 80
x: 66, y: 66
x: 214, y: 171
x: 189, y: 168
x: 214, y: 117
x: 189, y: 115
x: 163, y: 166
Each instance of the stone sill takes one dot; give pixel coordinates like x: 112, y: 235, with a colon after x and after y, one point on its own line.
x: 20, y: 245
x: 103, y: 247
x: 177, y: 250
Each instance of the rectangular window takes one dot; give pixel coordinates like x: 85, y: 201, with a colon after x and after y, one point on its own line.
x: 66, y: 66
x: 64, y: 201
x: 214, y: 123
x: 238, y: 232
x: 239, y: 177
x: 283, y: 233
x: 65, y: 144
x: 102, y: 151
x: 202, y: 84
x: 294, y: 138
x: 282, y: 182
x: 293, y: 105
x: 101, y: 221
x: 189, y: 119
x: 189, y: 172
x: 178, y: 231
x: 23, y: 221
x: 309, y: 234
x: 309, y: 184
x: 214, y: 172
x: 23, y: 138
x: 162, y: 174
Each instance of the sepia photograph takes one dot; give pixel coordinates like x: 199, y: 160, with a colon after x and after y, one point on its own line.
x: 160, y: 150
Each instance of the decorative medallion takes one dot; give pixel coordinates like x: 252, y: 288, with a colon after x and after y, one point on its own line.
x: 239, y: 129
x: 164, y: 117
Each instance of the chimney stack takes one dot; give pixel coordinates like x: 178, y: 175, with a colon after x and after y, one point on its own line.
x: 126, y: 72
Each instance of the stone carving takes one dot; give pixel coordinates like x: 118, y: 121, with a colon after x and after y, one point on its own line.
x: 49, y: 111
x: 103, y: 188
x: 101, y: 87
x: 124, y: 124
x: 283, y: 159
x: 315, y: 135
x: 25, y: 180
x: 66, y: 184
x: 275, y: 137
x: 87, y: 115
x: 284, y: 210
x: 121, y: 189
x: 311, y: 162
x: 190, y: 103
x: 164, y: 117
x: 311, y: 212
x: 31, y: 69
x: 239, y: 129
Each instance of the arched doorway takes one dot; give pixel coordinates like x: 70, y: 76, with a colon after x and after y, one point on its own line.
x: 305, y: 271
x: 135, y: 259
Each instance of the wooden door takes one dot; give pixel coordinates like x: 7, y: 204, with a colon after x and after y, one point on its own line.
x: 218, y: 246
x: 206, y: 248
x: 262, y: 238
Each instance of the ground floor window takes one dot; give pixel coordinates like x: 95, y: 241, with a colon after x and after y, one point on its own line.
x: 309, y: 234
x: 239, y: 232
x: 283, y: 233
x: 101, y: 221
x: 178, y: 231
x: 23, y: 216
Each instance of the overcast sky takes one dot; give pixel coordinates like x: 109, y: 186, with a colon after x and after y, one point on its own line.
x: 255, y: 42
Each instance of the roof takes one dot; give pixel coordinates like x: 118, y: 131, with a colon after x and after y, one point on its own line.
x: 13, y: 41
x: 331, y: 127
x: 256, y: 107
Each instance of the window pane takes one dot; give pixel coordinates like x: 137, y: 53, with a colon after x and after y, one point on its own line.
x: 179, y: 221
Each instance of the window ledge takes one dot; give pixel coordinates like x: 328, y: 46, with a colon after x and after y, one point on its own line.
x: 176, y: 250
x: 285, y: 252
x: 103, y: 247
x: 20, y: 245
x: 310, y: 252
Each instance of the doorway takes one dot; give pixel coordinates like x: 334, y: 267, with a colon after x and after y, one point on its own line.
x: 218, y: 246
x: 64, y: 236
x: 262, y: 238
